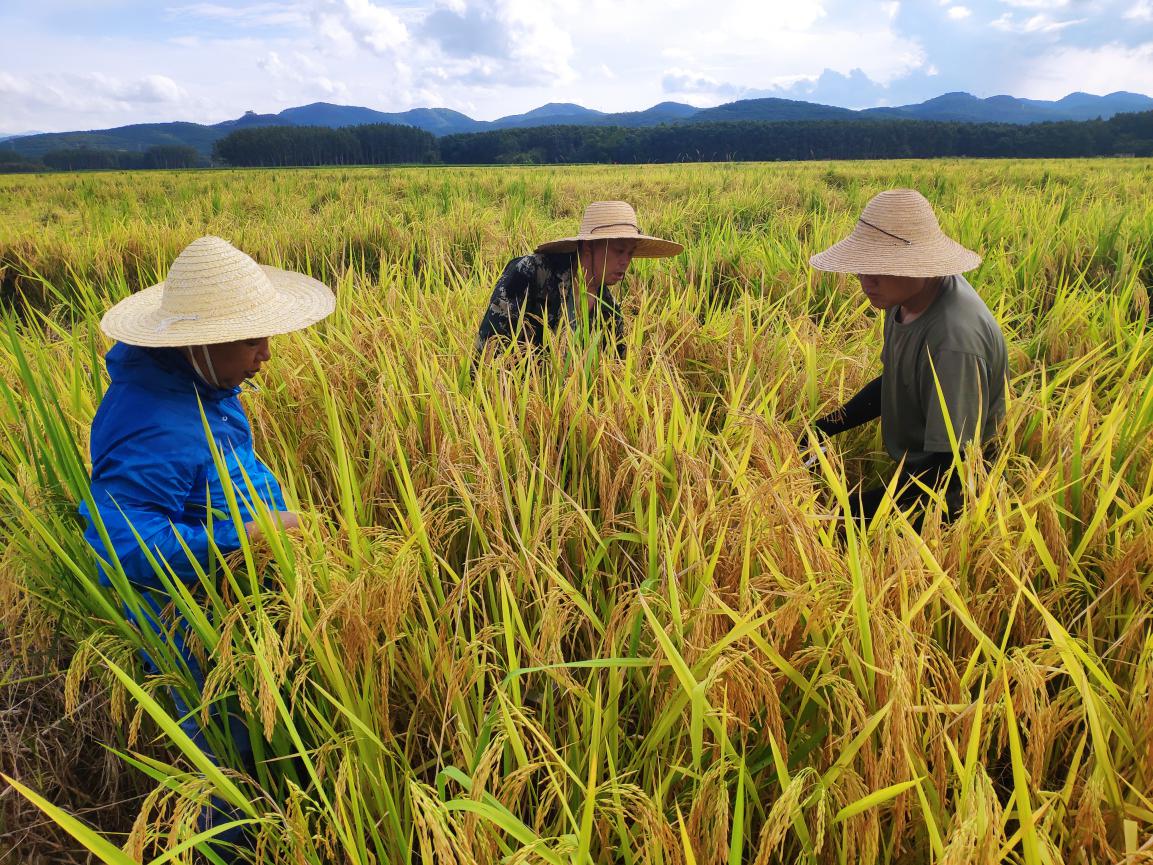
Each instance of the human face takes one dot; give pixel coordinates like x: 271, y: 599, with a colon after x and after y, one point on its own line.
x: 607, y: 261
x: 233, y: 362
x: 912, y: 293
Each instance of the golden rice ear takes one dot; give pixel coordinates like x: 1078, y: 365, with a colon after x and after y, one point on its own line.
x: 456, y: 649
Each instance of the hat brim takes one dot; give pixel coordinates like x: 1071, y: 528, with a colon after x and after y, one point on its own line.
x: 647, y: 247
x: 942, y: 257
x: 139, y: 320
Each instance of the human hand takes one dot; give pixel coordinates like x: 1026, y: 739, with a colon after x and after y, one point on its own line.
x: 287, y: 520
x: 810, y: 444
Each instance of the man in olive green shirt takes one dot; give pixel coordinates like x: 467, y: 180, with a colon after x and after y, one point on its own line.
x: 944, y: 360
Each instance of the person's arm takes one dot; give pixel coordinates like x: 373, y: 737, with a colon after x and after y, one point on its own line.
x: 502, y: 318
x: 140, y: 488
x: 862, y: 408
x: 269, y: 493
x: 613, y: 321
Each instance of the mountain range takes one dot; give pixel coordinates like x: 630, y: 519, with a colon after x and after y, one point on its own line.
x: 959, y: 107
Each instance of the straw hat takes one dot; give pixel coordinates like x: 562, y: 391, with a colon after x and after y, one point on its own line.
x: 215, y: 293
x: 897, y: 235
x: 613, y: 220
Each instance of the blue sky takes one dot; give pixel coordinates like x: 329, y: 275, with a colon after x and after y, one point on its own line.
x: 84, y: 64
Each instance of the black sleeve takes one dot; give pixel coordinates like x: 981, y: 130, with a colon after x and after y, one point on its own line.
x: 616, y: 326
x: 502, y: 316
x: 862, y: 408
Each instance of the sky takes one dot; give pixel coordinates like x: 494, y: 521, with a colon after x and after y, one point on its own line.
x: 90, y: 64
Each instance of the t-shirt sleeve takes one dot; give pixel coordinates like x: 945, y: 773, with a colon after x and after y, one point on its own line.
x: 963, y: 381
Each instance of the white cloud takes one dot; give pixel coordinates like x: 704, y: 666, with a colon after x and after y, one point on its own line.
x: 89, y: 91
x: 12, y: 87
x: 347, y: 24
x: 209, y: 60
x: 1142, y: 10
x: 1039, y: 23
x: 489, y: 57
x: 493, y: 42
x: 1094, y: 70
x: 748, y: 48
x: 685, y: 81
x: 302, y: 69
x: 151, y: 88
x: 260, y: 15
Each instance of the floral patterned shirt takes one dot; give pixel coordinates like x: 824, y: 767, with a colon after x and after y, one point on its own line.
x: 535, y: 292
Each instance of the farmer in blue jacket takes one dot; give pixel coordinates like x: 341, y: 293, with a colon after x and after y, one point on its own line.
x: 184, y: 347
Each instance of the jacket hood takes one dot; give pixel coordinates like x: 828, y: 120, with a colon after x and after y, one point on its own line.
x: 159, y: 369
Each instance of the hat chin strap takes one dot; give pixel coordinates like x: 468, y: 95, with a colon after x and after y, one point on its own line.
x: 211, y: 380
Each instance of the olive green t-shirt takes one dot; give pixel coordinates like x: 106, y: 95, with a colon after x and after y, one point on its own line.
x: 967, y: 348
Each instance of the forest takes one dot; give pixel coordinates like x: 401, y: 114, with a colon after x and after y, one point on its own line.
x: 735, y: 141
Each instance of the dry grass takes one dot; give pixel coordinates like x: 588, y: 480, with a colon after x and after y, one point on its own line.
x: 55, y: 743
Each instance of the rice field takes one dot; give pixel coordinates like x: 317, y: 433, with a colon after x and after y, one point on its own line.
x: 596, y: 610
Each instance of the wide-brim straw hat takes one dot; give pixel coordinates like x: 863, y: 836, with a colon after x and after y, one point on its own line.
x: 614, y: 220
x: 215, y: 293
x: 897, y: 235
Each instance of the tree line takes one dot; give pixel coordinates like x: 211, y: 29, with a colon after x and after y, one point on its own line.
x: 758, y: 141
x: 371, y: 144
x: 736, y: 141
x: 269, y: 146
x: 160, y: 156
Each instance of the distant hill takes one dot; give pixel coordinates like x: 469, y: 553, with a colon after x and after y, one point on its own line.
x: 552, y: 114
x: 772, y: 110
x: 438, y: 121
x: 549, y: 112
x: 569, y: 114
x: 664, y: 112
x: 135, y: 138
x: 966, y: 108
x: 326, y: 114
x: 956, y: 107
x: 139, y: 137
x: 1086, y: 106
x: 249, y: 120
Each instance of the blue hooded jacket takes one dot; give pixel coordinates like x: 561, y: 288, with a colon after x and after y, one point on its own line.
x: 152, y: 469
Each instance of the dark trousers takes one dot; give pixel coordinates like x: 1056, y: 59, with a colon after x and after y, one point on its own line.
x: 864, y: 504
x: 222, y: 715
